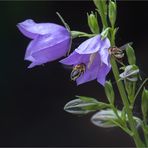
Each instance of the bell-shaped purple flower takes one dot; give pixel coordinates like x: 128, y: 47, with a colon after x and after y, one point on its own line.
x: 90, y: 60
x: 50, y: 41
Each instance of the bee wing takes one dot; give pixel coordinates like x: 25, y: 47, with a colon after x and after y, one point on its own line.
x: 125, y: 45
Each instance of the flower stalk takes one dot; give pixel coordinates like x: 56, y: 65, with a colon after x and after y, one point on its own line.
x: 124, y: 98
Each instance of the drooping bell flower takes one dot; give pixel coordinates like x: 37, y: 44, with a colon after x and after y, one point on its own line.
x: 90, y: 61
x: 50, y: 41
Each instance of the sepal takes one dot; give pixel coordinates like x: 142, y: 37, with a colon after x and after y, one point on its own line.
x: 105, y: 33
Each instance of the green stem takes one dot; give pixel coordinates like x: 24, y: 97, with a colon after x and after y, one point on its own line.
x: 144, y: 126
x: 124, y: 98
x: 121, y: 89
x: 146, y: 139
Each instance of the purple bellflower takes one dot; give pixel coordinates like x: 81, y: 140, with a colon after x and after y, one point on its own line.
x: 49, y: 41
x: 90, y: 61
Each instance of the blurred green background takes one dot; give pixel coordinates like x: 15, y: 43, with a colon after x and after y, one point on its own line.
x: 32, y: 100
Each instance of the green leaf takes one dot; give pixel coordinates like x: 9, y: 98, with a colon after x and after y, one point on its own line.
x: 112, y: 8
x: 93, y: 23
x: 109, y: 92
x: 130, y: 55
x: 123, y: 114
x: 84, y: 105
x: 144, y: 104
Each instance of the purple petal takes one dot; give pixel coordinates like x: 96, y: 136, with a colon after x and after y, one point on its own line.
x: 93, y: 45
x: 75, y: 58
x: 104, y: 54
x: 91, y: 72
x: 102, y: 73
x: 53, y: 52
x: 47, y: 41
x: 31, y: 29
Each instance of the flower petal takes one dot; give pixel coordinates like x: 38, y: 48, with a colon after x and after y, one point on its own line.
x: 102, y: 73
x: 91, y: 72
x: 75, y: 58
x: 93, y: 45
x: 104, y: 54
x: 31, y: 29
x: 47, y: 41
x: 52, y: 53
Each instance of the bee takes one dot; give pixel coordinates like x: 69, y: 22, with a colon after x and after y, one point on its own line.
x: 118, y: 53
x: 77, y: 71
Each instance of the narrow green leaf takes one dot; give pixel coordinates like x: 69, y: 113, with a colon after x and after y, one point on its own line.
x: 144, y: 104
x: 109, y: 92
x: 130, y: 55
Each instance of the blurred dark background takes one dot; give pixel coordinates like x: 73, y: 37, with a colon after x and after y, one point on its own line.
x: 32, y: 100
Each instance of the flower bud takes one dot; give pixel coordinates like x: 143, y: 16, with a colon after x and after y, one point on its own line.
x: 130, y: 73
x: 112, y: 12
x: 84, y: 105
x: 101, y: 6
x: 105, y: 118
x: 93, y: 23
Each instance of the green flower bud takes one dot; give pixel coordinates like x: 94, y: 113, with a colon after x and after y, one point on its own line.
x: 84, y: 105
x: 93, y: 23
x: 112, y: 12
x: 130, y: 73
x: 102, y: 10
